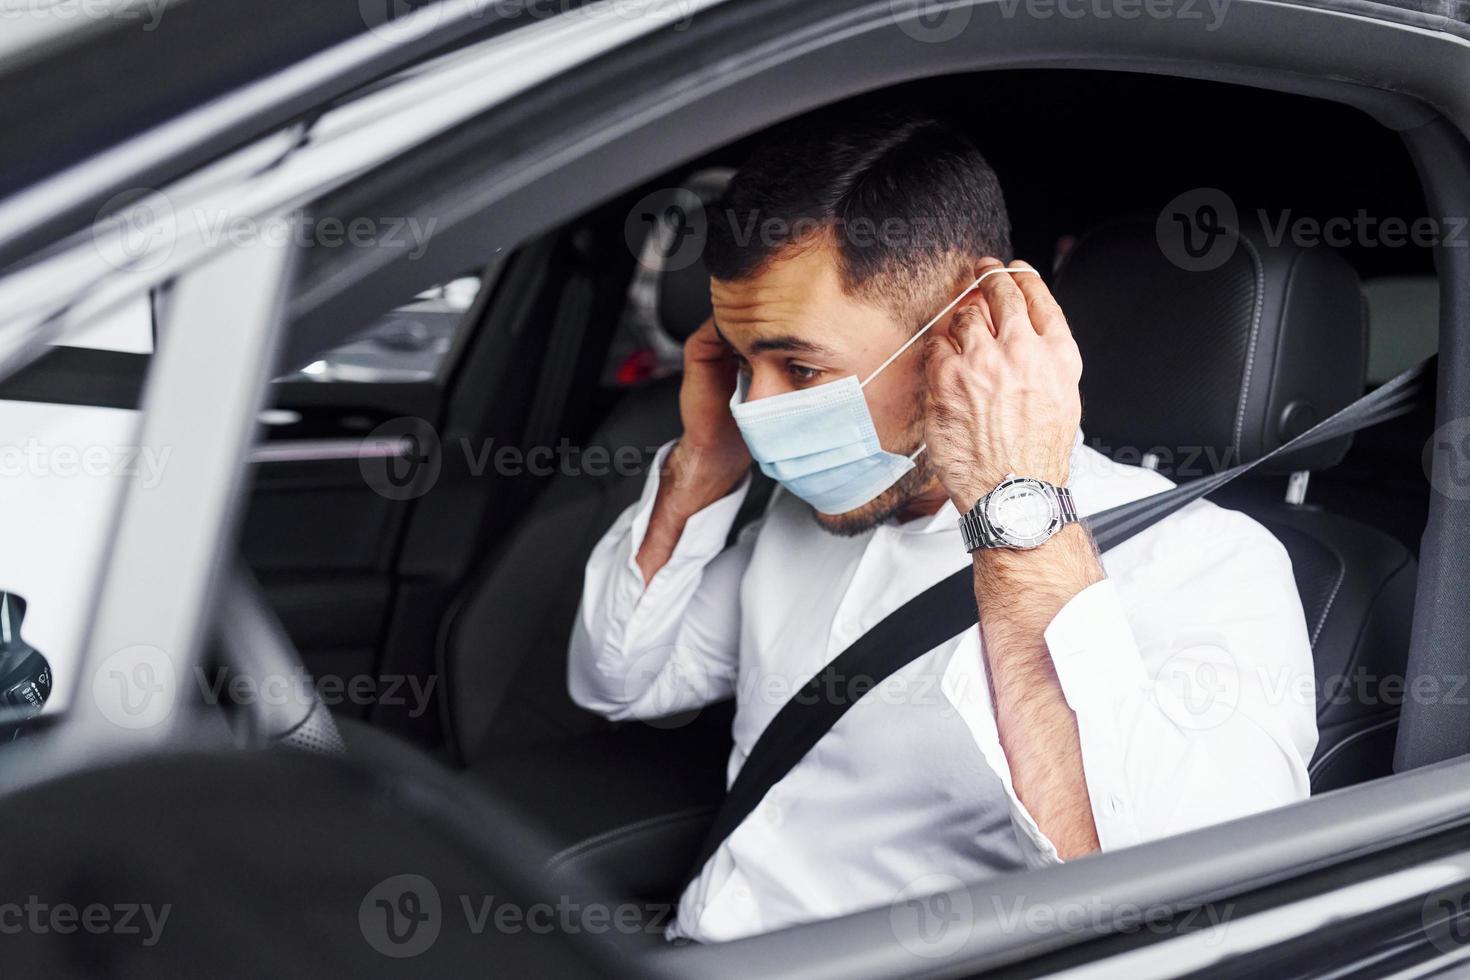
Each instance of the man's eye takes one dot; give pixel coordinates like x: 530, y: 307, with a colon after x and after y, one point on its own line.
x: 801, y: 372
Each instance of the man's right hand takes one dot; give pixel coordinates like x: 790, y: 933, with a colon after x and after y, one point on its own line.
x: 711, y: 454
x: 710, y: 457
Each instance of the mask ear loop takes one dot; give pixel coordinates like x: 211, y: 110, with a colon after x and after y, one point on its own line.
x: 925, y: 329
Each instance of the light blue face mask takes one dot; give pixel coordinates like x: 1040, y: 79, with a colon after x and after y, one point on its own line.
x: 820, y: 443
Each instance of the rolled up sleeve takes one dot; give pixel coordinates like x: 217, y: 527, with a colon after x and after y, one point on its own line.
x: 1190, y: 674
x: 646, y: 650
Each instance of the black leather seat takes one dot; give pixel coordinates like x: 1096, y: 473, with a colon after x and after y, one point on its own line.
x: 631, y: 802
x: 1206, y: 369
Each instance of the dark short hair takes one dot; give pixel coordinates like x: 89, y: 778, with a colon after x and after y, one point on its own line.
x: 908, y: 200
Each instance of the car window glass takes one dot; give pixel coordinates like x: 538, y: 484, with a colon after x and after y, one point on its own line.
x: 129, y: 328
x: 1403, y: 323
x: 406, y: 344
x: 66, y: 452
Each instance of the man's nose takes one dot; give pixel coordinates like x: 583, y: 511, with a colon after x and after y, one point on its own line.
x: 765, y: 383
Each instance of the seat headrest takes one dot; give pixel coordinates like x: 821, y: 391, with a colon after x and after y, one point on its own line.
x: 683, y: 299
x: 673, y: 252
x: 1209, y: 368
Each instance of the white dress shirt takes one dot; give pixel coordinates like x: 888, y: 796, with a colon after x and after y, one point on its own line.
x: 1189, y: 669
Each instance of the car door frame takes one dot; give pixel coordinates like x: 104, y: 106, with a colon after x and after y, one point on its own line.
x: 575, y: 155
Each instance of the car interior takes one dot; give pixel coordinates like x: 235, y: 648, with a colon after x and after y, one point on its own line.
x: 458, y: 591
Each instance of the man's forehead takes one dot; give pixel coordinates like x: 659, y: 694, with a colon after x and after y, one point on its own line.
x: 793, y: 304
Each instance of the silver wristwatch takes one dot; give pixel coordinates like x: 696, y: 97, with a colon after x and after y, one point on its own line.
x: 1019, y: 513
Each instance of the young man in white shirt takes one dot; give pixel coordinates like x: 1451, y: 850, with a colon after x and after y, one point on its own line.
x: 1071, y: 718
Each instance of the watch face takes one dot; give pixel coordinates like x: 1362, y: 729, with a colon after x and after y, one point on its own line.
x: 1022, y: 513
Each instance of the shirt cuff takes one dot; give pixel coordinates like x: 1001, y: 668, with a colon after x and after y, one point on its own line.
x: 1093, y: 649
x: 1099, y: 667
x: 705, y: 532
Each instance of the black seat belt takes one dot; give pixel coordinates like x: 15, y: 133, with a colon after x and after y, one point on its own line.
x: 947, y: 609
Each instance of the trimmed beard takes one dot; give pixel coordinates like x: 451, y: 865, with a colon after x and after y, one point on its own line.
x: 862, y: 519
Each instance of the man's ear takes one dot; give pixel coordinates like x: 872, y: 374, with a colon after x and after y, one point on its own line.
x: 972, y: 299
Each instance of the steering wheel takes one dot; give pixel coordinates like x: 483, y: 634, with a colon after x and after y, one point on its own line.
x: 255, y: 651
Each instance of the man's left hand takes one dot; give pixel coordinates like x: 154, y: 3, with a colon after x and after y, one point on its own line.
x: 1003, y: 394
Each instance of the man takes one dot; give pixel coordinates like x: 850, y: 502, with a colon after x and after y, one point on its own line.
x: 1101, y: 701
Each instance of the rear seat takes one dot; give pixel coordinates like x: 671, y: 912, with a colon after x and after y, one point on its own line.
x: 503, y: 645
x: 627, y: 803
x: 1403, y: 323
